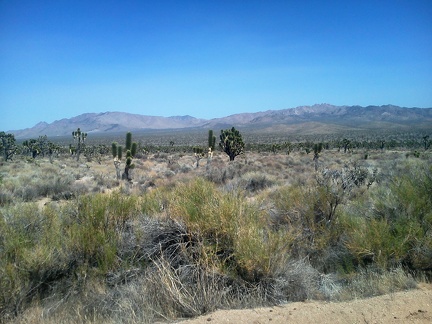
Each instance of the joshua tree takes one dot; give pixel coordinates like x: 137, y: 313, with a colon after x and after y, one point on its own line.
x: 7, y: 145
x: 96, y: 152
x: 317, y: 148
x: 275, y: 148
x: 79, y: 137
x: 426, y: 142
x: 41, y: 146
x: 288, y: 147
x: 32, y: 146
x: 116, y: 151
x: 231, y: 142
x: 199, y: 154
x: 211, y: 144
x: 346, y: 143
x: 130, y: 153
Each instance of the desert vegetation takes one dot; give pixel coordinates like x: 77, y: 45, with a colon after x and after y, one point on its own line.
x: 319, y: 217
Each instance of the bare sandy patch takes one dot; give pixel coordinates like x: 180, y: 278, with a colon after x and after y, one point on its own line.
x: 413, y: 306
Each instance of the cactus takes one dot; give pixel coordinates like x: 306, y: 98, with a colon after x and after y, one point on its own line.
x: 231, y: 142
x: 79, y: 137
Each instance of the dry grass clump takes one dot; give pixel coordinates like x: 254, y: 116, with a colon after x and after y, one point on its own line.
x: 373, y: 281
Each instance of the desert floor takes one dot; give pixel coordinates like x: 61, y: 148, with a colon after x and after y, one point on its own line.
x: 413, y: 306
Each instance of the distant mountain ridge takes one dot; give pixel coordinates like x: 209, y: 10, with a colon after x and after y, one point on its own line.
x: 319, y: 116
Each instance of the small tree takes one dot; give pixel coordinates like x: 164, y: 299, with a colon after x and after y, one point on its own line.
x: 231, y: 142
x: 79, y: 137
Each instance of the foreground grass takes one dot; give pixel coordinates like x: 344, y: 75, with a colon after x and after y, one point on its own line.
x: 197, y: 243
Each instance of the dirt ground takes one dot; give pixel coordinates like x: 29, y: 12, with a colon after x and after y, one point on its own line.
x: 414, y: 306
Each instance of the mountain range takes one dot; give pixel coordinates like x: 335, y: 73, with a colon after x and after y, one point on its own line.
x: 319, y: 118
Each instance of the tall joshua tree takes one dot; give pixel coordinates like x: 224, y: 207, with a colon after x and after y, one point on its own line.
x: 231, y: 142
x: 79, y: 137
x: 426, y: 142
x: 317, y: 148
x: 346, y: 143
x: 199, y: 154
x: 116, y: 151
x: 131, y: 148
x: 211, y: 144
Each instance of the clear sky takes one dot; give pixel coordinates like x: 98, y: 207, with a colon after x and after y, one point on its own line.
x: 208, y: 59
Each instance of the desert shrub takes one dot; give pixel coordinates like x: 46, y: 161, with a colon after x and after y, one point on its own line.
x: 255, y: 181
x: 161, y: 157
x: 6, y: 197
x: 104, y: 180
x: 53, y: 245
x: 371, y: 241
x: 396, y: 227
x: 154, y: 201
x: 178, y: 280
x: 32, y: 257
x: 373, y: 281
x: 29, y: 187
x: 296, y: 280
x: 221, y: 174
x: 298, y: 212
x: 234, y: 233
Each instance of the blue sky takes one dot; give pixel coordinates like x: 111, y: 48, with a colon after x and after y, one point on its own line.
x: 208, y: 59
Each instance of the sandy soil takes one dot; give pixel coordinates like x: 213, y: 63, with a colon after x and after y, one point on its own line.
x: 414, y: 306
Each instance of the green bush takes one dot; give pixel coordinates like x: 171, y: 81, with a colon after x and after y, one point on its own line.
x: 32, y: 256
x: 40, y: 247
x: 235, y: 234
x: 397, y: 226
